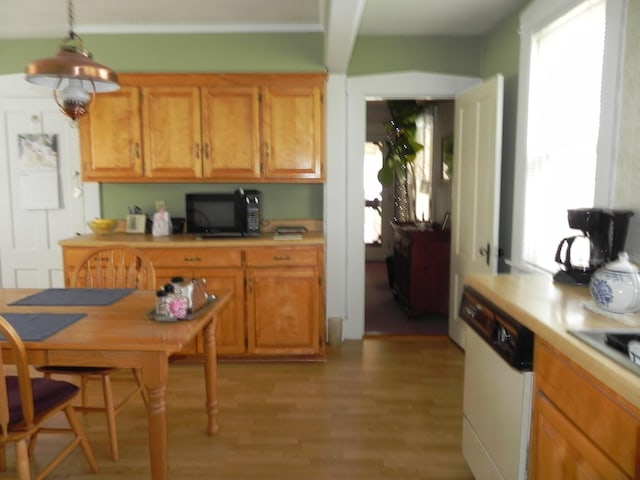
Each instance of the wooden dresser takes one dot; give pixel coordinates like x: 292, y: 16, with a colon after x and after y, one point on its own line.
x: 278, y: 285
x: 421, y: 269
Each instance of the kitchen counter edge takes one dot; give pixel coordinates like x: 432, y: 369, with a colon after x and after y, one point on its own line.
x: 188, y: 240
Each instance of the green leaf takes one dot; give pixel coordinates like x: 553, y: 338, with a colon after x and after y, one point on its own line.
x: 401, y: 146
x: 385, y: 176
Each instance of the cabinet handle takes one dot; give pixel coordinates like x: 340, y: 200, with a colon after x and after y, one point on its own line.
x: 250, y: 285
x: 281, y: 258
x: 135, y: 150
x: 196, y: 150
x: 470, y: 311
x: 192, y: 259
x: 267, y: 150
x: 205, y: 151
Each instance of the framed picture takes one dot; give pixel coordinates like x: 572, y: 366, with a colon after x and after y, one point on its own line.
x: 447, y: 159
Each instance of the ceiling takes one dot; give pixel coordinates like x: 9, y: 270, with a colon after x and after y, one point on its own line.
x: 340, y: 20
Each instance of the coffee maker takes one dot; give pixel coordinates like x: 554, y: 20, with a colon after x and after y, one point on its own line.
x: 604, y: 234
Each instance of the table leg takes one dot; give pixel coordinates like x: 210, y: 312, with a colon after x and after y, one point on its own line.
x: 211, y: 376
x: 155, y: 373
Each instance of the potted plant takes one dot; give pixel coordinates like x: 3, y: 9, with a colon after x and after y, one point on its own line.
x: 401, y: 150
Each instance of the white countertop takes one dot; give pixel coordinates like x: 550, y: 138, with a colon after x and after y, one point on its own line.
x: 550, y: 310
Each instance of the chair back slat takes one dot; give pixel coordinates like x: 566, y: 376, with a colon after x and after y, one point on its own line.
x: 24, y: 378
x: 115, y: 266
x: 4, y: 402
x: 52, y: 398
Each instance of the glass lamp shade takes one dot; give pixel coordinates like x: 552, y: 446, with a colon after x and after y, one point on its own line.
x: 73, y: 99
x: 74, y: 92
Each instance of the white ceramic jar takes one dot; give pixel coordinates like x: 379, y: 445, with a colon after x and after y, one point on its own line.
x: 616, y: 286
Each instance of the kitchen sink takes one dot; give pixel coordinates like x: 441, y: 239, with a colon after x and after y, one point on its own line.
x: 612, y: 344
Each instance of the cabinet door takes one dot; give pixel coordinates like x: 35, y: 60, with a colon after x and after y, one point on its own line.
x: 402, y: 269
x: 421, y: 270
x: 111, y: 137
x: 600, y: 414
x: 559, y: 451
x: 172, y: 132
x: 429, y: 280
x: 283, y: 311
x: 293, y: 132
x: 231, y: 133
x: 230, y: 331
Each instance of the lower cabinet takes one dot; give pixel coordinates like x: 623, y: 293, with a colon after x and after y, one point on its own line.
x: 562, y: 451
x: 231, y: 331
x: 278, y: 302
x: 283, y: 292
x: 580, y: 429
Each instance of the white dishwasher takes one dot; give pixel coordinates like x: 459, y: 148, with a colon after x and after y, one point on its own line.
x: 498, y: 381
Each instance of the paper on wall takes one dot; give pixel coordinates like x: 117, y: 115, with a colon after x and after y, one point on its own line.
x: 38, y: 175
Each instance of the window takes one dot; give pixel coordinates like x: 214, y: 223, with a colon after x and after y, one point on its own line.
x: 372, y: 194
x: 419, y: 183
x: 423, y: 168
x: 564, y: 127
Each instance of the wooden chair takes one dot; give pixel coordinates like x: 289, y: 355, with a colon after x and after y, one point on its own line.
x: 116, y: 266
x: 27, y: 403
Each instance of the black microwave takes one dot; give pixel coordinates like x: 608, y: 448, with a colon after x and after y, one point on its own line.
x: 234, y: 214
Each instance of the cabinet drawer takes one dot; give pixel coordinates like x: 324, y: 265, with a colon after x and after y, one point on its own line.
x: 282, y: 257
x: 194, y: 257
x: 72, y: 256
x: 607, y: 420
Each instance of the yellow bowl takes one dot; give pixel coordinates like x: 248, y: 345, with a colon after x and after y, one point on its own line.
x: 103, y: 226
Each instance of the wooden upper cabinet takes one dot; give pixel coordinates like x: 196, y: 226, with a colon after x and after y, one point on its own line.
x: 231, y: 132
x: 293, y: 133
x: 111, y: 136
x: 172, y: 132
x: 207, y: 128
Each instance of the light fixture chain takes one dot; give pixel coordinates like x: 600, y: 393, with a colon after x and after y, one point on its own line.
x: 70, y: 14
x: 72, y: 74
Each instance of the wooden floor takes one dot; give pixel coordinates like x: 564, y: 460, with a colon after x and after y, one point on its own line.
x: 377, y: 409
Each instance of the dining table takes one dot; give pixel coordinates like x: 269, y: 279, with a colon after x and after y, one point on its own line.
x: 78, y: 327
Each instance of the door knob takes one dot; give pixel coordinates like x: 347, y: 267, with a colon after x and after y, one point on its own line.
x: 486, y: 252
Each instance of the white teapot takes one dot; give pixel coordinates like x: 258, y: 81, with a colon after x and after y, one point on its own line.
x: 615, y: 287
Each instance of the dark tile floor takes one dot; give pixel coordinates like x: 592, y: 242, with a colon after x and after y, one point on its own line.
x: 385, y: 316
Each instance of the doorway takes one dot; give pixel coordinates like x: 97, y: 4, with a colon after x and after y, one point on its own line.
x: 383, y: 313
x: 343, y: 204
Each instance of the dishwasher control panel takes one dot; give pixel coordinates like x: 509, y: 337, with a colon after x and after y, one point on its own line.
x: 511, y: 340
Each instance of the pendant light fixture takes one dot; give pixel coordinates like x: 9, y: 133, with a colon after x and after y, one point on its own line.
x: 72, y: 74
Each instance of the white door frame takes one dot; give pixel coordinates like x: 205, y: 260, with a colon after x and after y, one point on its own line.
x: 344, y: 179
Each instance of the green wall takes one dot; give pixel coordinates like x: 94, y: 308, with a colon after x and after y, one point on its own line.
x: 501, y: 54
x: 279, y: 201
x: 243, y: 53
x: 301, y: 52
x: 450, y: 55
